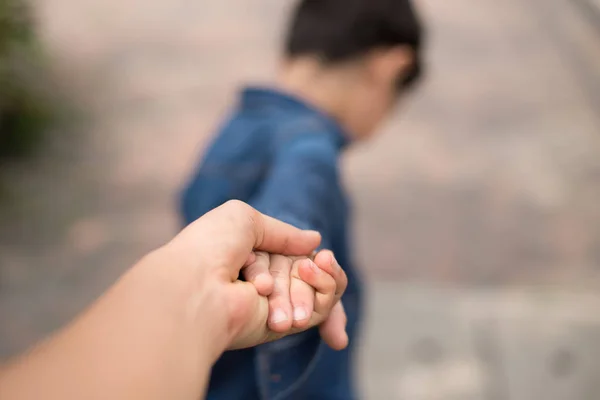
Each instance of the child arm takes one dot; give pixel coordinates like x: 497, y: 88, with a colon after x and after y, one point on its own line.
x: 300, y: 187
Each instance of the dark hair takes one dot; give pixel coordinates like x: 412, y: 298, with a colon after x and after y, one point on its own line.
x: 341, y: 30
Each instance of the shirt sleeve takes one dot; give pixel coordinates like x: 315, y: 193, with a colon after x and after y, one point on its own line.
x: 300, y: 188
x: 204, y: 192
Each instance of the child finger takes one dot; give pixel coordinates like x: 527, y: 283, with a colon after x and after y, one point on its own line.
x: 328, y: 263
x: 302, y: 296
x: 323, y: 283
x: 280, y: 308
x: 333, y: 330
x: 258, y: 274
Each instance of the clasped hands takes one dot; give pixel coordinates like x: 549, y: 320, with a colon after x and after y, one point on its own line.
x: 158, y: 330
x: 284, y: 292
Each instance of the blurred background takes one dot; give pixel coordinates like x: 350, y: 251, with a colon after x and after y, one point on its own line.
x: 477, y: 212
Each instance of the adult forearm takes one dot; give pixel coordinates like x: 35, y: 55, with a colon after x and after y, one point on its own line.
x: 156, y: 333
x: 139, y: 341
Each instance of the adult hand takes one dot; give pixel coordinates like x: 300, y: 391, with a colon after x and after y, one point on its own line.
x: 156, y: 333
x: 236, y: 230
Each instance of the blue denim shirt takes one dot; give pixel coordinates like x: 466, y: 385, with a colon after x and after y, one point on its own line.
x: 281, y: 155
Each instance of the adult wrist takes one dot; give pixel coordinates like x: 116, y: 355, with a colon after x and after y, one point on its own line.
x: 194, y: 300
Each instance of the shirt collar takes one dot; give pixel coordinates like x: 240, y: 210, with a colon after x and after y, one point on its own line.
x: 254, y: 96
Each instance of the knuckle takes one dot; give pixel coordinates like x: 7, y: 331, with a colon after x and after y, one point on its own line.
x: 242, y: 214
x: 280, y: 265
x: 236, y: 206
x: 237, y: 210
x: 329, y: 285
x: 280, y: 290
x: 277, y: 273
x: 280, y: 277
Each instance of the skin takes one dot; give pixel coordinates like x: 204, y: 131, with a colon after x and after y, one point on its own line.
x: 156, y: 333
x: 295, y: 297
x: 359, y: 93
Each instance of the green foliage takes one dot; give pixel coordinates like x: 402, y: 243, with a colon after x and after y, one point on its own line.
x: 26, y: 111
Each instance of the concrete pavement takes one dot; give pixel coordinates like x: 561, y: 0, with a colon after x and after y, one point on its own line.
x: 439, y: 343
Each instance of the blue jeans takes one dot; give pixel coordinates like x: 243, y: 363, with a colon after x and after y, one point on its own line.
x: 297, y: 367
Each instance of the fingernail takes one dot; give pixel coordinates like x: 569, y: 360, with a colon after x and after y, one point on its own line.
x: 300, y: 314
x: 279, y: 316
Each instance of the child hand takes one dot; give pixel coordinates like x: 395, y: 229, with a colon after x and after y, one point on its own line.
x: 301, y: 292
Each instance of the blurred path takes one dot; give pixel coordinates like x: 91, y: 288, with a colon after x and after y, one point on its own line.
x: 427, y: 343
x: 491, y: 175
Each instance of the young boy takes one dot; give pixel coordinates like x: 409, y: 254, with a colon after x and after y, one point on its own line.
x: 346, y: 64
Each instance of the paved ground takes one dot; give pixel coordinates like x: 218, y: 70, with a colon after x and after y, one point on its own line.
x: 489, y: 177
x: 457, y: 344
